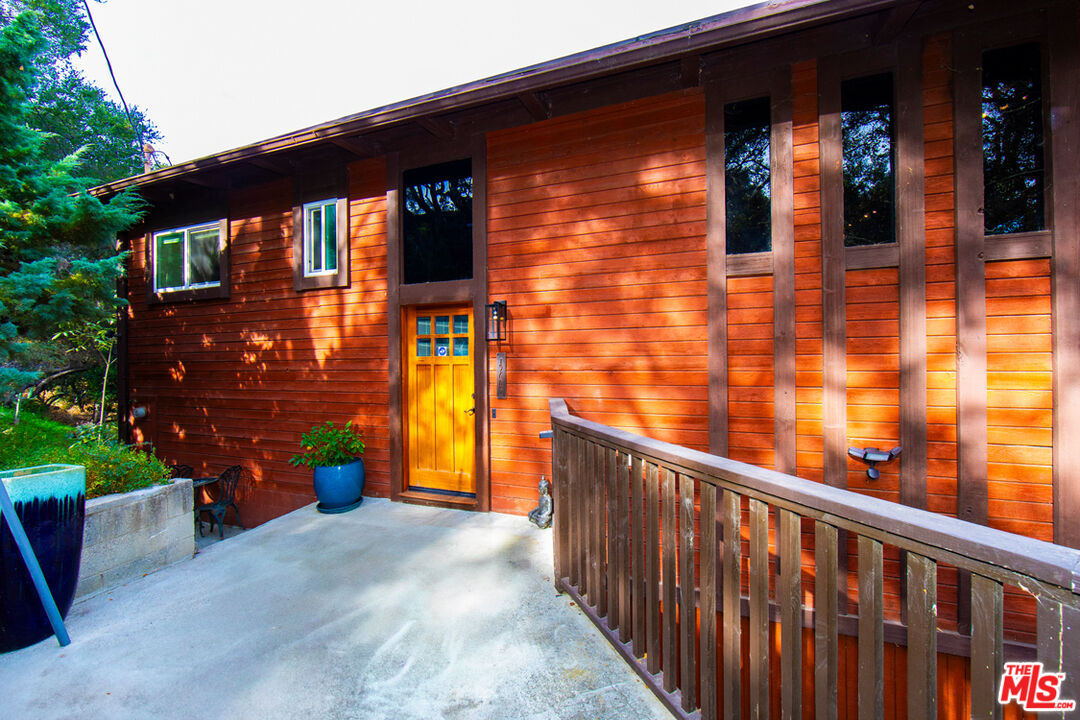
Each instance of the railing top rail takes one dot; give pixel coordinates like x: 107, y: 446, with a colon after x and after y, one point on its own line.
x: 1042, y: 561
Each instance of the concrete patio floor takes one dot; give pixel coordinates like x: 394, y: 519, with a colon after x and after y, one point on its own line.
x: 389, y: 611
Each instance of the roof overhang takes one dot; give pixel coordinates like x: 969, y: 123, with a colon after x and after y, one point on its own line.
x: 719, y: 32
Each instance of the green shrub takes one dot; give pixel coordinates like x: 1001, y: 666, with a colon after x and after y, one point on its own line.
x: 110, y: 466
x: 327, y: 445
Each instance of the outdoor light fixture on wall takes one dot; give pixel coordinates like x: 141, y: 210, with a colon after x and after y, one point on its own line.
x: 496, y: 321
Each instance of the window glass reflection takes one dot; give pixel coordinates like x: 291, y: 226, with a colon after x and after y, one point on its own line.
x: 1012, y: 131
x: 869, y: 141
x: 747, y: 193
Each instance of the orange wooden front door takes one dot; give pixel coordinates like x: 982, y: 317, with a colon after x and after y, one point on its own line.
x: 439, y: 395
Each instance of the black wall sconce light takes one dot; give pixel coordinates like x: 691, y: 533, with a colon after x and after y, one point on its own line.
x: 496, y: 321
x: 872, y: 456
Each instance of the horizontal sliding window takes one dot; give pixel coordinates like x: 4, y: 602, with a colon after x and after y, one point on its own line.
x: 747, y: 192
x: 187, y: 258
x: 437, y: 222
x: 1012, y: 132
x: 867, y: 123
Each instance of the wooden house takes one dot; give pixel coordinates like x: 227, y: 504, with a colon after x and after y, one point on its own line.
x: 782, y: 235
x: 772, y: 234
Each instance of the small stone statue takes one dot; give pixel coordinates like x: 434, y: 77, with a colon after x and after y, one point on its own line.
x: 540, y: 516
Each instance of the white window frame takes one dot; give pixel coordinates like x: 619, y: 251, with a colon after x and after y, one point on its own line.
x: 188, y: 285
x: 309, y: 237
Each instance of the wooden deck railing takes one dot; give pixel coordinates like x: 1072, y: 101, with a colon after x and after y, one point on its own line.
x: 628, y: 548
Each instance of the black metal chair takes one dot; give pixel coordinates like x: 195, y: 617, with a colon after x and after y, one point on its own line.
x: 180, y: 470
x: 227, y: 481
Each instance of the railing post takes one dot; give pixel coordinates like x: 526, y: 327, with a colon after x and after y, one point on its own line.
x: 562, y: 504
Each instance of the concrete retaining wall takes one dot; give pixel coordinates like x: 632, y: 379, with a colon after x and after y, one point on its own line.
x: 131, y: 534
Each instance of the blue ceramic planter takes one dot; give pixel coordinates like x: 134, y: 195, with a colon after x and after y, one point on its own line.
x: 50, y: 500
x: 339, y: 487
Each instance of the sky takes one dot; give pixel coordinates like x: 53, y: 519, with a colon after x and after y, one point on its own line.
x: 218, y: 74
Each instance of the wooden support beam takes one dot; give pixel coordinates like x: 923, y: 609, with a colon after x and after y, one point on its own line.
x: 358, y: 146
x: 205, y: 182
x: 438, y: 127
x: 538, y: 108
x: 270, y: 164
x: 690, y: 71
x: 895, y: 21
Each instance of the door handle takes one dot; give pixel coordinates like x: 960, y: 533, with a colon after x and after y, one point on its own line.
x: 471, y: 411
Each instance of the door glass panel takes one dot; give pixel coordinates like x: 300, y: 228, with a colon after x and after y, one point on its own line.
x: 423, y: 347
x: 442, y: 325
x: 461, y: 324
x: 423, y: 326
x: 461, y: 347
x: 442, y: 347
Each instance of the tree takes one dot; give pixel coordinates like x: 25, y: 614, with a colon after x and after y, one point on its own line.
x: 58, y: 258
x: 75, y: 114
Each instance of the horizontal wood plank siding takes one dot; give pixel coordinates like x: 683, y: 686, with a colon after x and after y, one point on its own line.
x: 596, y: 240
x: 750, y: 407
x: 940, y: 277
x: 809, y: 360
x: 239, y: 381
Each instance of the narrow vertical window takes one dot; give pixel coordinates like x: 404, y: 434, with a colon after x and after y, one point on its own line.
x: 1012, y: 129
x: 869, y: 142
x: 437, y: 222
x: 320, y: 237
x: 747, y: 191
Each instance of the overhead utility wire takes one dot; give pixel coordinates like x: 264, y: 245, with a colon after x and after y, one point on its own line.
x: 108, y: 63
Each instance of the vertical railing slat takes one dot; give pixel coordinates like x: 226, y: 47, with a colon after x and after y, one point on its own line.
x: 622, y: 467
x: 561, y: 503
x: 922, y: 637
x: 731, y: 566
x: 597, y: 591
x: 987, y: 606
x: 637, y: 572
x: 588, y: 475
x: 577, y: 509
x: 652, y: 567
x: 687, y: 585
x: 708, y: 601
x: 871, y: 630
x: 759, y: 609
x: 668, y: 571
x: 1058, y: 635
x: 789, y: 596
x: 610, y: 539
x: 826, y: 645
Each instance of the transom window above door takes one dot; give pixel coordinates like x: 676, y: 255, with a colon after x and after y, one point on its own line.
x: 438, y: 222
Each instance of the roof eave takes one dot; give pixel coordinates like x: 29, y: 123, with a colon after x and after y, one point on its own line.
x: 737, y: 26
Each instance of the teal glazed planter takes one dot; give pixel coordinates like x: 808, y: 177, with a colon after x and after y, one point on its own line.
x: 339, y: 487
x: 50, y: 500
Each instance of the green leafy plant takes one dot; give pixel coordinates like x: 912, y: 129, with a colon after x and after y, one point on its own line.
x: 329, y: 445
x: 111, y: 467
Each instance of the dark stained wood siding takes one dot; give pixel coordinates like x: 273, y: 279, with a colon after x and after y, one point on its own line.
x: 808, y: 317
x: 751, y: 429
x: 596, y: 239
x: 238, y: 381
x: 940, y: 277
